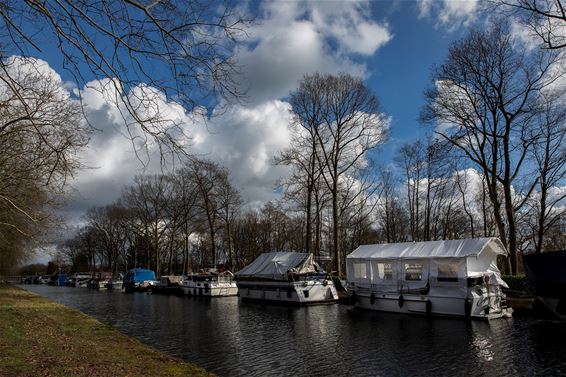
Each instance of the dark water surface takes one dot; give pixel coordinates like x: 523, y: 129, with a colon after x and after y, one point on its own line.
x: 231, y: 338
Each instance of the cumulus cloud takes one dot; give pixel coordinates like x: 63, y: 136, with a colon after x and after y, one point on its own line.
x: 289, y: 40
x: 450, y: 14
x: 243, y: 139
x: 292, y: 39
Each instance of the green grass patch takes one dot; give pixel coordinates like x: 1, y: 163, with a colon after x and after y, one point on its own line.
x: 41, y: 338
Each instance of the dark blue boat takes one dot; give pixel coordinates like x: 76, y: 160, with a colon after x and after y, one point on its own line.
x: 546, y: 279
x: 139, y: 279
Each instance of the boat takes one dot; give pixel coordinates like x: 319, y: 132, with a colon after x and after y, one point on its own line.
x: 139, y: 279
x: 168, y: 285
x: 451, y: 277
x: 81, y: 279
x: 99, y: 281
x: 546, y: 279
x: 210, y: 284
x: 285, y: 277
x: 115, y: 283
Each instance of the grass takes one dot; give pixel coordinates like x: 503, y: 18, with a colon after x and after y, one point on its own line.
x: 41, y: 338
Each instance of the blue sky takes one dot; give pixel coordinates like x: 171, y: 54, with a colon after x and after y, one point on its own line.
x: 392, y: 44
x: 400, y: 70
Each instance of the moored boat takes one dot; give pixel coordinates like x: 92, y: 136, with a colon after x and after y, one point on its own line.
x: 454, y: 277
x: 115, y: 283
x: 285, y: 277
x: 139, y: 279
x: 81, y: 279
x: 210, y: 284
x: 546, y: 279
x: 168, y: 284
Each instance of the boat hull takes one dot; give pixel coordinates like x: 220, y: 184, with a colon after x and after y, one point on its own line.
x: 556, y: 305
x: 209, y: 289
x: 294, y: 293
x: 470, y: 307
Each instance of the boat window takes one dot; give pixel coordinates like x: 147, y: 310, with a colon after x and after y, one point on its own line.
x: 413, y: 271
x: 360, y: 271
x: 385, y: 271
x: 447, y: 272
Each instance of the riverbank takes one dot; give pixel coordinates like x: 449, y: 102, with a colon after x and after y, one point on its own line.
x: 39, y: 337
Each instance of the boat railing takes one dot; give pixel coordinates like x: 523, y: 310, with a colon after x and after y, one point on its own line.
x: 308, y: 276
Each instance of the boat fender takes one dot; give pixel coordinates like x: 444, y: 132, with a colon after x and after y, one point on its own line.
x: 353, y: 299
x: 428, y: 306
x: 372, y: 298
x: 467, y: 307
x: 401, y: 301
x: 325, y: 282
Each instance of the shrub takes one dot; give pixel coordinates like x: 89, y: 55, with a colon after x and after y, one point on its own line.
x: 516, y: 283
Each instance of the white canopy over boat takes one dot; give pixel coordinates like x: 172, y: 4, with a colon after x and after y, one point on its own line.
x: 276, y: 265
x: 445, y: 259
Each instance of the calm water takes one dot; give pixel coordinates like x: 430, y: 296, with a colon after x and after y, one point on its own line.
x: 230, y: 338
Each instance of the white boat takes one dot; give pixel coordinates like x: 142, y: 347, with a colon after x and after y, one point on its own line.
x: 455, y: 278
x: 115, y: 283
x: 286, y: 277
x: 210, y: 284
x: 81, y: 279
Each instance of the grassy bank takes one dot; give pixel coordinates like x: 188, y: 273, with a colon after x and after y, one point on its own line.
x: 41, y: 338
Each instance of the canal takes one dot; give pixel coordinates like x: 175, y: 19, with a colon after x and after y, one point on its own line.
x: 231, y: 338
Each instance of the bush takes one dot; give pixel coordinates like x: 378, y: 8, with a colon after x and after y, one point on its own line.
x: 516, y: 283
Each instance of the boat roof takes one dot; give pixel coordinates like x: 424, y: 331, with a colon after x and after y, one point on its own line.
x: 430, y: 249
x: 276, y: 265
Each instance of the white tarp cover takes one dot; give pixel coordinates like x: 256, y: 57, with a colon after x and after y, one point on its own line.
x: 275, y: 265
x: 429, y: 249
x: 418, y: 260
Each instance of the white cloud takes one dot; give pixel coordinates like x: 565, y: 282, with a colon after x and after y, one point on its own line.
x: 450, y: 14
x: 292, y: 39
x: 243, y: 139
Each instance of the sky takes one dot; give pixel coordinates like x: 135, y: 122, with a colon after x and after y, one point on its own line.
x: 392, y: 45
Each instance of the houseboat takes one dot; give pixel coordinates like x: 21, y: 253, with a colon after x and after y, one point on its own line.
x: 285, y: 277
x: 453, y: 277
x: 139, y: 279
x: 546, y: 279
x: 210, y: 284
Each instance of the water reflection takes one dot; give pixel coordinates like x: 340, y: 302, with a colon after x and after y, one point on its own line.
x: 231, y: 338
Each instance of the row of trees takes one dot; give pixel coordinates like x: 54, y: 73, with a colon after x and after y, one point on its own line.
x: 496, y: 106
x: 141, y: 52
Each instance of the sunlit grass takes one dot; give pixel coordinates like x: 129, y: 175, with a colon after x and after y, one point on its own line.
x: 41, y: 338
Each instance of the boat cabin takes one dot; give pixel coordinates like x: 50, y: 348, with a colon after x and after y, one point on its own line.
x: 452, y: 277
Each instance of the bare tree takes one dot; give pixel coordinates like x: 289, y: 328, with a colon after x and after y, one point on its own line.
x: 484, y: 103
x: 207, y: 177
x: 230, y: 202
x: 41, y: 133
x: 549, y: 153
x: 545, y: 18
x: 148, y: 198
x: 142, y: 49
x: 306, y: 107
x: 344, y: 117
